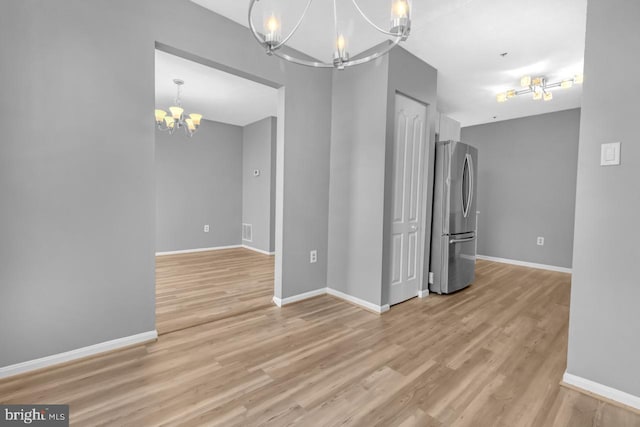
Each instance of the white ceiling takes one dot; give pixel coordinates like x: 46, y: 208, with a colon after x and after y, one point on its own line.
x: 463, y: 39
x: 217, y: 95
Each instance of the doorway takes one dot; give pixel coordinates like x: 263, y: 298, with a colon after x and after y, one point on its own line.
x: 215, y: 196
x: 408, y: 199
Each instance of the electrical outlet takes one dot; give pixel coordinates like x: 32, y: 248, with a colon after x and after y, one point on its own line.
x: 313, y: 256
x: 540, y: 241
x: 206, y: 228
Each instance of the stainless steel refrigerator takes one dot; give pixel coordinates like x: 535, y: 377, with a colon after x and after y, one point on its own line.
x: 453, y: 231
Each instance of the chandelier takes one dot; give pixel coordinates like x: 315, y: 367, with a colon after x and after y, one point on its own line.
x: 539, y: 87
x: 177, y: 118
x: 272, y: 40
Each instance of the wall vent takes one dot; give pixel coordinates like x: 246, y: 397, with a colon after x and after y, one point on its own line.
x: 247, y: 233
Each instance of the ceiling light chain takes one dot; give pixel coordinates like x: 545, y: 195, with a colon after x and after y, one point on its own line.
x: 177, y: 120
x: 270, y: 40
x: 539, y: 87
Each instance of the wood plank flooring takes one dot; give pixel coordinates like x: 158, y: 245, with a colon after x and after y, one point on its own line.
x: 196, y: 288
x: 491, y: 355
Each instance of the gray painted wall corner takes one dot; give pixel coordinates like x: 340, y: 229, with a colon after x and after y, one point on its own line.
x: 258, y: 192
x: 604, y: 325
x: 527, y: 171
x: 199, y: 182
x: 357, y: 180
x: 105, y: 158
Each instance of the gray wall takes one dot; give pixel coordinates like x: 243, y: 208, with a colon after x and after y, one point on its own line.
x: 76, y: 177
x: 258, y: 192
x: 361, y: 150
x: 604, y: 325
x: 526, y: 186
x: 357, y: 180
x: 199, y: 181
x: 78, y: 192
x: 447, y: 128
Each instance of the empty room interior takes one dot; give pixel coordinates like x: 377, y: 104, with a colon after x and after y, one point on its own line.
x: 215, y: 197
x: 319, y: 213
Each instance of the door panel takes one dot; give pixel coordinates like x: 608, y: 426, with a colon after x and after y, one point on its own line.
x: 412, y: 264
x: 399, y: 168
x: 396, y: 260
x: 407, y: 237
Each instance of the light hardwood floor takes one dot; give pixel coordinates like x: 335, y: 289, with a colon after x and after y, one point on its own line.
x: 196, y: 288
x: 492, y: 355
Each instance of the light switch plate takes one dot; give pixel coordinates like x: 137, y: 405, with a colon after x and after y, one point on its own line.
x: 610, y: 154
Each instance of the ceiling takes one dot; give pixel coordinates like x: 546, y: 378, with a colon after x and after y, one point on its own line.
x: 463, y: 39
x: 217, y: 95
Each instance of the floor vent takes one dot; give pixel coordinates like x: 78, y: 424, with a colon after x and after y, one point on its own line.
x: 247, y: 232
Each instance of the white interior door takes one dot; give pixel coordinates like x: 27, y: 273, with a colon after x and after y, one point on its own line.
x: 407, y: 236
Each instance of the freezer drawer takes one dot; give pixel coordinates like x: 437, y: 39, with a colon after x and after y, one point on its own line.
x: 455, y: 263
x: 462, y: 262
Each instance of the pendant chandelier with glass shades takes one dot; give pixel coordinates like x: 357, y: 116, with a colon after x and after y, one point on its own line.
x: 177, y: 118
x: 273, y: 42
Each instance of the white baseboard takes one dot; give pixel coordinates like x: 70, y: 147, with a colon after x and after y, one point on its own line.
x: 290, y: 300
x: 280, y: 302
x: 423, y: 294
x: 258, y: 250
x: 602, y: 390
x: 189, y: 251
x: 525, y: 264
x: 366, y: 304
x: 80, y: 353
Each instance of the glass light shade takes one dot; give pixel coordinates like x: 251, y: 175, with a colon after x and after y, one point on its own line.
x: 566, y: 84
x: 176, y: 112
x: 400, y: 9
x: 578, y: 79
x: 511, y: 93
x: 501, y: 97
x: 272, y: 28
x: 525, y: 81
x: 160, y: 114
x: 548, y: 96
x: 341, y: 45
x: 170, y: 122
x: 537, y: 96
x: 537, y: 81
x: 190, y: 125
x: 196, y: 118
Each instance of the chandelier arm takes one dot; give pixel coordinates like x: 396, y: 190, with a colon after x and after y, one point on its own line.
x: 315, y: 64
x: 260, y: 39
x: 255, y: 33
x: 524, y: 91
x: 373, y: 24
x: 286, y: 39
x: 550, y: 85
x: 373, y: 56
x: 318, y: 64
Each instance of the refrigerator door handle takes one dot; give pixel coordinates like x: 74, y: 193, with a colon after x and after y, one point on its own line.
x: 468, y: 239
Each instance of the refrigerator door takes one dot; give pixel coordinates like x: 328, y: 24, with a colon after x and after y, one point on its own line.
x: 461, y: 188
x: 461, y: 262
